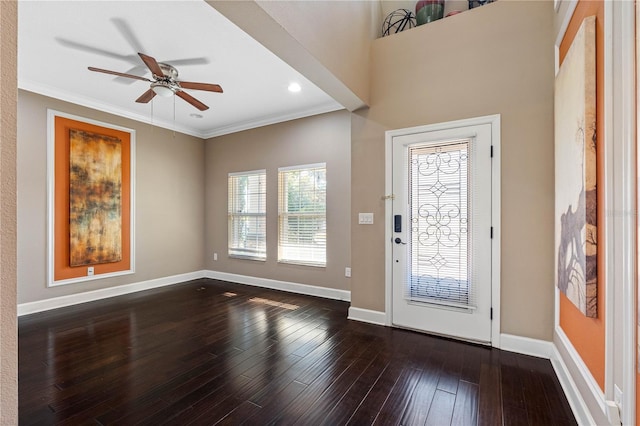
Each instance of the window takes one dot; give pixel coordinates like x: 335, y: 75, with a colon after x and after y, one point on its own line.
x: 439, y: 212
x: 247, y: 215
x: 302, y: 215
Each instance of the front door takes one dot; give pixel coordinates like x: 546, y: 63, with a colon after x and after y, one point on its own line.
x: 442, y: 232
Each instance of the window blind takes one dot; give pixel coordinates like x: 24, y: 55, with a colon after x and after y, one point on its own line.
x: 440, y: 243
x: 247, y: 215
x: 302, y: 195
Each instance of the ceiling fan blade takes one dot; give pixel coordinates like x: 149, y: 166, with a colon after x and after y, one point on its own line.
x: 97, y: 51
x: 200, y: 86
x: 137, y: 70
x: 188, y: 61
x: 127, y: 33
x: 146, y: 97
x: 193, y: 101
x: 152, y: 64
x: 119, y: 74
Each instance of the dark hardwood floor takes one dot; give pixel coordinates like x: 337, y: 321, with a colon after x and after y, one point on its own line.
x: 208, y: 352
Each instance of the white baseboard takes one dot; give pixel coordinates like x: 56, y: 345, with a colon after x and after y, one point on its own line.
x: 572, y: 391
x: 367, y: 315
x: 90, y: 296
x: 549, y: 350
x: 578, y: 406
x: 310, y: 290
x: 526, y: 346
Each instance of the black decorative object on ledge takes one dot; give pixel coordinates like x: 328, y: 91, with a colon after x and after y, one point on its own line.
x: 397, y: 21
x: 476, y: 3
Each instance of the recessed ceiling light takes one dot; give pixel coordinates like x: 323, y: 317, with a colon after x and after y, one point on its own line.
x: 194, y: 115
x: 294, y: 87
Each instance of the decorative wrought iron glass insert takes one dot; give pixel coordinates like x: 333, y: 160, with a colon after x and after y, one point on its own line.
x: 439, y: 239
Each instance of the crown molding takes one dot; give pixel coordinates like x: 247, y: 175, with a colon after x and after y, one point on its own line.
x: 274, y: 119
x: 51, y: 92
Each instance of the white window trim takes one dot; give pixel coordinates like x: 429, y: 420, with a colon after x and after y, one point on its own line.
x: 302, y: 166
x: 249, y: 172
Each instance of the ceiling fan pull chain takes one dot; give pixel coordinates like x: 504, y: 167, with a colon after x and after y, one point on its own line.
x: 152, y: 125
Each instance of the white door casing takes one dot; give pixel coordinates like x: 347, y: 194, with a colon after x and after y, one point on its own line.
x: 469, y: 319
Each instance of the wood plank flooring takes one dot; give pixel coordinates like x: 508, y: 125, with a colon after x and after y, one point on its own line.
x: 209, y: 352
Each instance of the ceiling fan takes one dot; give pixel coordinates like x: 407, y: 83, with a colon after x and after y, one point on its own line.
x: 164, y: 82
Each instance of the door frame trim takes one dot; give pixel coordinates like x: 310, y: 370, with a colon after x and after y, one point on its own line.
x: 494, y: 121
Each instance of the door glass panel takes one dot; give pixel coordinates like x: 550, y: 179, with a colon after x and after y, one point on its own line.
x: 439, y: 243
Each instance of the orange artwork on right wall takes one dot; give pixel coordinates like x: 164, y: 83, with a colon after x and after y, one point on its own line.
x: 637, y: 310
x: 587, y: 335
x: 637, y: 221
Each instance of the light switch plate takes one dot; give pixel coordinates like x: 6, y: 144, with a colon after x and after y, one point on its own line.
x: 365, y: 218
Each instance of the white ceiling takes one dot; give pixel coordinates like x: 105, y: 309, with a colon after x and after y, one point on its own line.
x: 58, y: 40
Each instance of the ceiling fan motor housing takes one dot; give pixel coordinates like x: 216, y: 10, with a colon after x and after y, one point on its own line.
x: 165, y: 85
x: 168, y: 71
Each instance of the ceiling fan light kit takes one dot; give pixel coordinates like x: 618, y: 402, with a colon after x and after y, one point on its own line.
x: 162, y: 88
x: 165, y: 82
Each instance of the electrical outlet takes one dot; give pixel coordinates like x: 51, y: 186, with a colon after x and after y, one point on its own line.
x: 347, y: 272
x: 90, y: 271
x: 215, y: 256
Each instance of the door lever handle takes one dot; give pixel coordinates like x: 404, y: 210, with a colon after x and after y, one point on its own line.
x: 399, y: 241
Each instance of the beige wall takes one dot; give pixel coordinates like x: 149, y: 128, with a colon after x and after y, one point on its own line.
x: 169, y: 200
x: 328, y: 42
x: 8, y: 260
x: 497, y: 59
x: 323, y: 138
x: 339, y: 36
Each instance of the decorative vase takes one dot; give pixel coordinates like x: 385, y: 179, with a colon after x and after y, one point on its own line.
x: 428, y: 11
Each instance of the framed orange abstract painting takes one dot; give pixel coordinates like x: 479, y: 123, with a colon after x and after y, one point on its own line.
x: 90, y: 205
